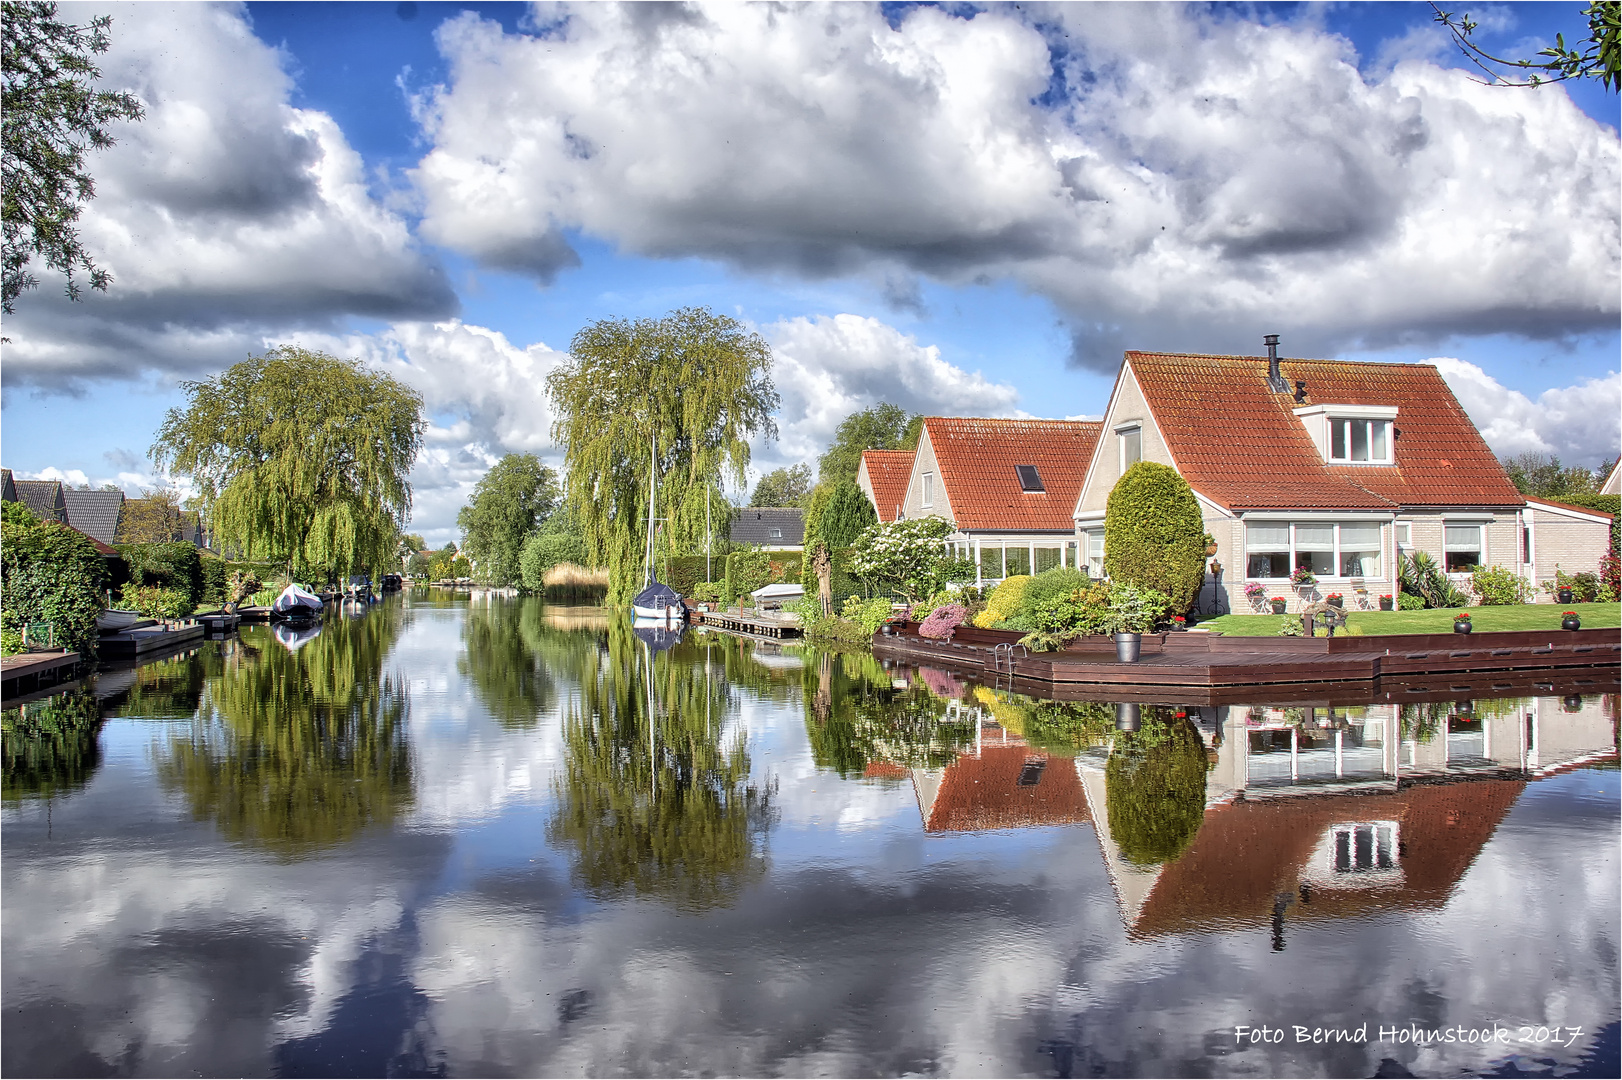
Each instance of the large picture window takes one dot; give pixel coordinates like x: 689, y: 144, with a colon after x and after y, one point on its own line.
x: 1462, y: 546
x: 1274, y: 550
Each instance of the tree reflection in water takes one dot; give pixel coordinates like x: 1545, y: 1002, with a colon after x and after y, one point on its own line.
x: 297, y: 751
x: 505, y: 643
x: 856, y: 717
x: 652, y: 801
x: 1155, y: 784
x: 51, y: 748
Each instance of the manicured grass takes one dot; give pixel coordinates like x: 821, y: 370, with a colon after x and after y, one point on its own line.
x: 1439, y: 621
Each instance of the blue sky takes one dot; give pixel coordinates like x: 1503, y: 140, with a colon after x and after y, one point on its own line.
x: 967, y: 211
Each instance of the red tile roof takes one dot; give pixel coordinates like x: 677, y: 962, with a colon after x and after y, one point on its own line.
x: 977, y: 457
x: 983, y: 792
x: 888, y: 471
x: 1241, y: 445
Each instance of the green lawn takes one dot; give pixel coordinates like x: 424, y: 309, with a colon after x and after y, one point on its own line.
x: 1440, y: 621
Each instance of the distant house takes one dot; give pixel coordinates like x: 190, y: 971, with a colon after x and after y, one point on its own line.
x: 1613, y: 483
x: 95, y: 513
x: 882, y: 476
x: 1009, y: 485
x: 774, y: 528
x: 8, y: 488
x: 44, y: 498
x: 1333, y: 467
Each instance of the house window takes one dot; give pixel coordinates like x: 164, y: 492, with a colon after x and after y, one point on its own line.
x: 1362, y: 848
x: 1017, y: 561
x: 1047, y: 558
x: 1030, y: 481
x: 1404, y: 534
x: 1095, y: 553
x: 1526, y: 543
x: 1131, y: 446
x: 1324, y: 549
x: 1367, y: 441
x: 991, y: 561
x: 1461, y: 545
x: 777, y: 534
x: 927, y: 498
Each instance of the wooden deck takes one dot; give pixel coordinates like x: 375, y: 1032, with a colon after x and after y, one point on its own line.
x: 148, y: 639
x: 732, y: 622
x: 24, y: 673
x: 1210, y: 662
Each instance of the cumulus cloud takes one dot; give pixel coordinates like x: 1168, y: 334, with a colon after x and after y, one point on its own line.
x: 225, y: 214
x: 1576, y: 423
x: 1169, y: 177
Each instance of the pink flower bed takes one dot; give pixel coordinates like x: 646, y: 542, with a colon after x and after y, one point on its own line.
x: 942, y: 620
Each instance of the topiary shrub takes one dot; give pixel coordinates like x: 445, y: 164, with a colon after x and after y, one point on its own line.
x: 1154, y: 536
x: 50, y: 573
x: 837, y: 514
x: 1004, y: 601
x: 1498, y: 586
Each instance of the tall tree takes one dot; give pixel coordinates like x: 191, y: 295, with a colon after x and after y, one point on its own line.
x: 1542, y: 475
x: 783, y: 487
x: 690, y: 388
x: 1597, y: 56
x: 299, y: 456
x: 53, y: 118
x: 154, y: 518
x: 515, y: 496
x: 882, y: 427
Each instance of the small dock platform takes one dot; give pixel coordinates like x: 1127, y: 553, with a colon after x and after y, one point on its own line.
x: 24, y: 673
x: 218, y: 622
x: 761, y: 626
x: 252, y: 613
x: 148, y: 639
x: 1209, y: 662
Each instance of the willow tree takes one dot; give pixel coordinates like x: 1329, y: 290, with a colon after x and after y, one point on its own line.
x: 680, y: 395
x: 299, y: 457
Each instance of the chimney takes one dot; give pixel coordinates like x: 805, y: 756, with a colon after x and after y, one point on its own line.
x: 1275, y: 380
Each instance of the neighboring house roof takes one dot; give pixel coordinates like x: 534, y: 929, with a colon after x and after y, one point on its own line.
x: 101, y: 548
x: 95, y: 513
x: 1613, y: 483
x: 979, y: 458
x: 1240, y: 444
x: 1568, y: 508
x: 8, y: 490
x: 758, y: 524
x: 1248, y: 853
x: 887, y: 473
x: 44, y: 498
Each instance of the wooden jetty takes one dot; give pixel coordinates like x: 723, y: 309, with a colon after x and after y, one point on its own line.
x: 761, y: 626
x: 143, y: 640
x: 1210, y: 662
x: 24, y: 673
x: 218, y: 622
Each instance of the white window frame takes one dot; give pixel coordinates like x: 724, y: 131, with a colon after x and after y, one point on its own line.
x: 1135, y: 427
x: 1382, y: 575
x: 1481, y: 543
x: 1403, y: 534
x: 1322, y: 421
x: 926, y: 492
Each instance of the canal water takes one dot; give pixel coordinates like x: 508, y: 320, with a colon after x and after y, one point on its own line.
x: 454, y: 836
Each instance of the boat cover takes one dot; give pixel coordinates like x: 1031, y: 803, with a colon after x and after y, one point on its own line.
x: 294, y: 597
x: 780, y: 591
x: 657, y: 596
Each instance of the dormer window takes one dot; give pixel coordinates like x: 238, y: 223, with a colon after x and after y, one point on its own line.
x: 1030, y: 480
x: 1352, y: 434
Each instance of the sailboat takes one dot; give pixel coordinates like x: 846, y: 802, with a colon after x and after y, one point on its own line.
x: 656, y: 601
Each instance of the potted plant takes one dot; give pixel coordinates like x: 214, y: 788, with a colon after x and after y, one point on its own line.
x: 1570, y: 620
x: 1461, y: 623
x: 1386, y: 603
x: 1179, y: 622
x: 1210, y: 544
x: 1255, y: 592
x: 1335, y: 599
x: 1303, y: 578
x: 1279, y: 604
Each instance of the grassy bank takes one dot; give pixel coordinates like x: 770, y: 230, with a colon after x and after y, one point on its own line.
x: 1439, y: 621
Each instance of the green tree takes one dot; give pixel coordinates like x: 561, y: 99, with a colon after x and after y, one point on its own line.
x: 154, y: 518
x: 837, y: 514
x: 558, y: 540
x: 1154, y: 537
x: 907, y: 556
x: 513, y: 497
x: 788, y: 486
x: 1595, y: 57
x: 1542, y: 476
x: 54, y: 117
x: 882, y: 427
x: 691, y: 388
x: 299, y: 457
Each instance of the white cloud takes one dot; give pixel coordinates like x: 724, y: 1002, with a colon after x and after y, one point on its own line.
x: 1579, y: 423
x: 1170, y: 177
x: 225, y: 214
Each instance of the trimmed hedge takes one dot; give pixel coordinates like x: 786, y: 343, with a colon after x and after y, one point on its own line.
x: 1154, y: 536
x: 747, y: 571
x: 177, y: 567
x: 52, y: 574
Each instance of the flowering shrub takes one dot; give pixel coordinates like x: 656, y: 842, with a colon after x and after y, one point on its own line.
x: 1255, y: 590
x: 943, y: 620
x: 907, y: 555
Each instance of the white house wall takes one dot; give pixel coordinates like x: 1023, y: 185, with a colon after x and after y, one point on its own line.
x: 1565, y: 542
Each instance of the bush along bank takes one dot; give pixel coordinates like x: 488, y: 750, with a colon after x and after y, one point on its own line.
x: 51, y: 574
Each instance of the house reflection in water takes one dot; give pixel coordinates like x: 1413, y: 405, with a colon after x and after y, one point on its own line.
x: 1001, y: 783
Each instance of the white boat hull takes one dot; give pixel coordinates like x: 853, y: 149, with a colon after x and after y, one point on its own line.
x: 664, y: 614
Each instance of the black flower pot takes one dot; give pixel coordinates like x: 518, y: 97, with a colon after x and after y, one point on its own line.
x: 1571, y: 622
x: 1278, y: 607
x: 1385, y: 605
x: 887, y: 630
x: 1127, y: 647
x: 1462, y: 626
x: 1336, y: 601
x: 1563, y: 595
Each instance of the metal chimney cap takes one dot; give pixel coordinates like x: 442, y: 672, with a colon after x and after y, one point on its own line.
x: 1270, y: 339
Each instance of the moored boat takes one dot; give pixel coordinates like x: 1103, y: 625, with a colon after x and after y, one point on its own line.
x: 296, y: 604
x: 114, y: 620
x: 657, y: 602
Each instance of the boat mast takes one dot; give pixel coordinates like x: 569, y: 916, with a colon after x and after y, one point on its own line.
x: 653, y: 467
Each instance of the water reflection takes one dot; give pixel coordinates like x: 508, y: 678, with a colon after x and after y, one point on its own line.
x: 50, y: 747
x: 656, y: 799
x: 864, y: 720
x: 298, y: 750
x: 505, y: 658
